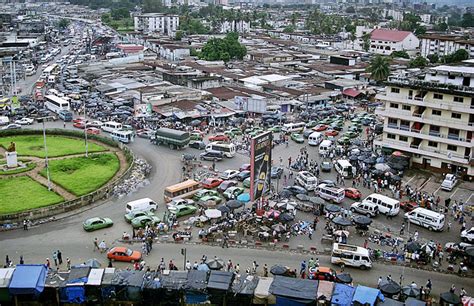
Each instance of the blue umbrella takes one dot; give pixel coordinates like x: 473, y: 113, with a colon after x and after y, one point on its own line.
x: 244, y: 197
x: 203, y: 267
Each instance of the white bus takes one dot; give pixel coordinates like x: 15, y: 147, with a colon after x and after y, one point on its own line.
x: 227, y: 148
x: 427, y: 218
x: 387, y: 206
x: 51, y: 69
x: 345, y: 168
x: 330, y: 193
x: 111, y: 126
x: 122, y: 136
x: 56, y: 104
x: 293, y: 127
x: 350, y: 255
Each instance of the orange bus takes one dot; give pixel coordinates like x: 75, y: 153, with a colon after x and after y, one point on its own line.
x: 181, y: 190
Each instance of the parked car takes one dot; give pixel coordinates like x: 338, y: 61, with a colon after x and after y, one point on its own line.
x: 243, y: 175
x: 449, y: 182
x: 408, y: 205
x: 246, y: 183
x: 123, y: 254
x: 204, y: 192
x: 143, y: 221
x: 326, y: 166
x: 244, y: 167
x: 135, y: 214
x: 200, y: 145
x: 12, y: 126
x: 233, y: 192
x: 219, y: 137
x: 96, y: 223
x: 468, y: 235
x: 322, y: 273
x: 276, y: 172
x: 24, y: 121
x: 298, y: 138
x: 93, y: 131
x: 214, y: 198
x: 211, y: 182
x: 353, y: 193
x: 320, y: 127
x: 331, y: 133
x: 226, y: 184
x: 229, y: 174
x: 295, y: 189
x: 182, y: 210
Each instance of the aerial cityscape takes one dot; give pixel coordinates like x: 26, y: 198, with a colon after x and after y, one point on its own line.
x: 237, y: 152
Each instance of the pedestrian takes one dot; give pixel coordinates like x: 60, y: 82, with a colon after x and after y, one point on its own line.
x: 449, y: 226
x: 55, y: 258
x: 303, y: 267
x: 64, y: 124
x: 462, y: 293
x: 230, y: 266
x: 96, y: 244
x: 60, y: 257
x: 413, y: 284
x: 110, y: 264
x: 7, y: 261
x: 254, y: 267
x: 25, y: 225
x: 415, y: 236
x: 225, y: 242
x: 428, y: 286
x: 102, y: 246
x: 48, y: 264
x: 237, y: 269
x: 366, y: 242
x: 379, y: 281
x: 452, y: 289
x: 68, y: 263
x: 21, y: 260
x: 265, y: 270
x: 188, y: 265
x: 310, y: 232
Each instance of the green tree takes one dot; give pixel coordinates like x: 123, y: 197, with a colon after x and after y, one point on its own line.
x: 433, y: 58
x: 223, y: 49
x: 63, y: 23
x: 379, y: 68
x: 289, y: 29
x: 456, y: 57
x: 120, y: 13
x: 467, y: 20
x: 179, y: 35
x: 402, y: 54
x: 350, y: 10
x: 442, y: 27
x: 418, y: 62
x: 366, y: 42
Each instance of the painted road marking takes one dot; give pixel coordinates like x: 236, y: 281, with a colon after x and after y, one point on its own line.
x: 410, y: 179
x: 472, y: 194
x: 424, y: 184
x: 455, y: 190
x: 436, y: 191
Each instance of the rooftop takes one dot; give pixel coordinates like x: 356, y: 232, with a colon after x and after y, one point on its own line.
x: 389, y: 35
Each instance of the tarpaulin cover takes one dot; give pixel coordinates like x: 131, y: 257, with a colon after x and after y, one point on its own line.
x: 283, y: 301
x: 391, y: 302
x: 56, y: 279
x: 365, y: 295
x: 78, y: 275
x: 108, y: 276
x: 175, y: 280
x: 128, y: 278
x: 197, y: 280
x: 152, y: 280
x: 74, y: 294
x: 196, y: 298
x: 415, y: 302
x: 95, y: 277
x: 301, y: 289
x: 262, y: 293
x: 5, y: 276
x: 246, y: 285
x: 342, y: 294
x: 325, y: 289
x: 220, y: 280
x: 28, y: 279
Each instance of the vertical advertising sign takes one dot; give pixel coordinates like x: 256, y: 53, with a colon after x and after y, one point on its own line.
x: 260, y: 165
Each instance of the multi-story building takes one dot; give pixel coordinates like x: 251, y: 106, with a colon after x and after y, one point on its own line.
x: 239, y: 26
x: 385, y: 41
x: 431, y: 119
x: 166, y: 24
x: 442, y: 45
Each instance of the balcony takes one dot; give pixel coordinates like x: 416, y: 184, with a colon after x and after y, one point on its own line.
x: 419, y: 101
x: 430, y: 135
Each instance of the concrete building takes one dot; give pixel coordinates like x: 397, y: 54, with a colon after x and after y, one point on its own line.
x: 165, y: 24
x: 239, y: 26
x: 431, y: 120
x: 442, y: 45
x: 385, y: 41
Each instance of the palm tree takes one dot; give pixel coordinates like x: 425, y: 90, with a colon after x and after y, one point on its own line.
x: 379, y: 68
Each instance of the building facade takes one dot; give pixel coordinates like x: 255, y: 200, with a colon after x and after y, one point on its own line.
x: 442, y: 45
x: 385, y: 41
x: 431, y: 120
x: 165, y: 24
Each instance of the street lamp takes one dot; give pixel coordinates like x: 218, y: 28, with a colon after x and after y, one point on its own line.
x: 85, y: 130
x: 46, y: 153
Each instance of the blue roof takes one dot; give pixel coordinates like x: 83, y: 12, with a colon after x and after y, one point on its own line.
x: 28, y: 279
x: 366, y: 295
x: 342, y: 294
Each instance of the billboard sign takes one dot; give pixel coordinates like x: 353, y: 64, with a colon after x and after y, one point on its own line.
x: 260, y: 165
x: 251, y: 105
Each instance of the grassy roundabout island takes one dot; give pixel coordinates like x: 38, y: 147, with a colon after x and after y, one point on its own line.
x: 72, y: 173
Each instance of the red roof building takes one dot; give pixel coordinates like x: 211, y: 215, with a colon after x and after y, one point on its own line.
x: 389, y: 35
x: 386, y: 41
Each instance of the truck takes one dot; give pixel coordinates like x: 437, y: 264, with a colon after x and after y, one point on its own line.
x: 175, y: 139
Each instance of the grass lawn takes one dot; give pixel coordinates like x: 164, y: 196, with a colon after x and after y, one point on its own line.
x: 81, y: 175
x: 22, y: 193
x: 33, y: 145
x: 28, y: 167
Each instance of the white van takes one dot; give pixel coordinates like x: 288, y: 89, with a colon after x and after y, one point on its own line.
x: 332, y: 194
x: 387, y: 206
x: 449, y: 182
x: 315, y: 138
x: 345, y: 168
x: 4, y: 120
x: 350, y: 255
x: 365, y: 208
x: 427, y: 218
x: 145, y: 204
x: 51, y: 79
x: 325, y: 146
x: 293, y: 127
x: 307, y: 180
x: 111, y: 126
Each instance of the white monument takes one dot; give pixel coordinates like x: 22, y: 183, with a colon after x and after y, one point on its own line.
x: 12, y: 158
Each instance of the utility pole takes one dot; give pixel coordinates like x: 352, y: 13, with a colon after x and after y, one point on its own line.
x: 183, y: 252
x: 85, y: 130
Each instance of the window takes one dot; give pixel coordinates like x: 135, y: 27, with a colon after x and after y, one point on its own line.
x: 438, y: 96
x: 433, y: 144
x: 451, y: 77
x: 452, y: 148
x: 403, y: 138
x: 436, y: 112
x: 393, y: 105
x: 406, y: 107
x: 456, y: 115
x: 391, y: 136
x: 458, y: 99
x: 395, y: 90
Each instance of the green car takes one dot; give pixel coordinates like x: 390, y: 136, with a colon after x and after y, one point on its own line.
x: 256, y: 132
x: 356, y: 120
x: 350, y: 134
x: 326, y: 121
x: 182, y: 210
x: 355, y: 129
x: 344, y: 140
x: 132, y: 215
x: 96, y: 223
x: 204, y: 193
x: 248, y: 130
x: 233, y: 192
x: 246, y: 182
x: 236, y: 131
x: 214, y: 198
x: 298, y: 138
x: 143, y: 221
x: 311, y: 124
x: 275, y: 129
x: 195, y: 136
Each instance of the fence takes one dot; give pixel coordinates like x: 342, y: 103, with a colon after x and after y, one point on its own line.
x: 99, y: 194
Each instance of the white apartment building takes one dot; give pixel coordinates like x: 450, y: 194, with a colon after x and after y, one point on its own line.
x: 442, y: 45
x: 165, y: 24
x: 239, y: 26
x: 385, y: 41
x: 431, y: 120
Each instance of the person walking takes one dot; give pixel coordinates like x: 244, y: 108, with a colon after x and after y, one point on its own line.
x: 102, y: 246
x: 22, y: 262
x: 25, y: 225
x: 225, y: 241
x: 310, y: 232
x: 265, y: 270
x: 60, y: 257
x: 96, y: 244
x: 55, y: 258
x: 68, y: 263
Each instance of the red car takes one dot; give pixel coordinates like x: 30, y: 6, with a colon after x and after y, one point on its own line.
x: 320, y: 127
x: 79, y: 125
x: 93, y: 131
x: 244, y: 167
x: 123, y: 254
x: 331, y: 133
x: 78, y: 120
x: 408, y: 205
x: 211, y: 182
x: 322, y: 273
x: 353, y: 193
x: 219, y: 137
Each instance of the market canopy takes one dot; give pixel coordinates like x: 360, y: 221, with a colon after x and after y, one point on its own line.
x: 197, y: 280
x: 221, y: 280
x: 414, y: 302
x: 342, y: 294
x: 246, y: 285
x: 366, y: 296
x: 296, y: 288
x: 262, y: 293
x: 450, y: 298
x: 28, y: 279
x: 325, y: 289
x: 175, y: 280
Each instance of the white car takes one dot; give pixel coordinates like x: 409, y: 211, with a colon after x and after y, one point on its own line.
x: 24, y: 121
x: 177, y: 202
x: 12, y: 126
x: 229, y: 174
x: 468, y: 235
x: 449, y: 182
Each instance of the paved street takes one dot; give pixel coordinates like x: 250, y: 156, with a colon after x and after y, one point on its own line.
x: 67, y: 234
